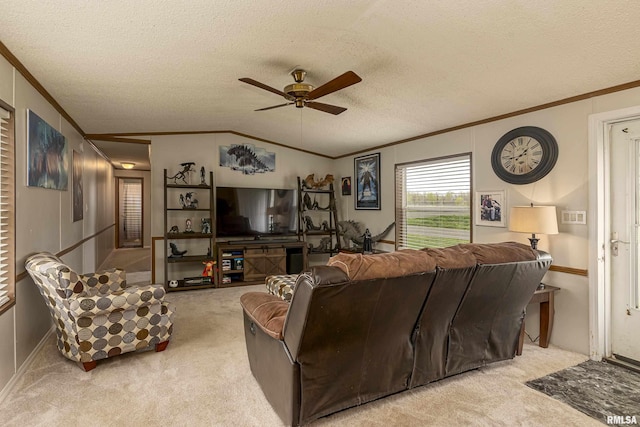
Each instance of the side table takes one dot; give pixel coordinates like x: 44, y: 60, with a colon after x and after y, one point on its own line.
x: 544, y: 296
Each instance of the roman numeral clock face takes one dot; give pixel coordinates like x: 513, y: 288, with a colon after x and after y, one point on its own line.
x: 524, y: 155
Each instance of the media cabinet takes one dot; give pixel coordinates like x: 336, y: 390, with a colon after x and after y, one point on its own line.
x: 250, y: 262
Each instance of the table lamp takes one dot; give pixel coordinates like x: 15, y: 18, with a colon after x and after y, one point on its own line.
x: 534, y: 220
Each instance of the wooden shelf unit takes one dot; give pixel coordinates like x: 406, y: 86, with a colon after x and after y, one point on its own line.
x: 170, y: 212
x: 328, y: 233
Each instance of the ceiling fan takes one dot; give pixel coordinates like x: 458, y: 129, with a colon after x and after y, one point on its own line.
x: 303, y: 95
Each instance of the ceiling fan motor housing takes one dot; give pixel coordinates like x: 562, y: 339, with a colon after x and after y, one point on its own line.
x: 298, y: 89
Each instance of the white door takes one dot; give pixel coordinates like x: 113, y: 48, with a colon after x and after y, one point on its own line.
x: 624, y: 250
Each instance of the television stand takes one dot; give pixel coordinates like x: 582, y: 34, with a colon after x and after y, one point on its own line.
x: 249, y: 262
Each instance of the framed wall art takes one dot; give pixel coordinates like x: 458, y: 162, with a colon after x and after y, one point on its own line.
x: 367, y: 173
x: 345, y: 183
x: 77, y: 187
x: 48, y: 164
x: 491, y: 208
x: 247, y: 158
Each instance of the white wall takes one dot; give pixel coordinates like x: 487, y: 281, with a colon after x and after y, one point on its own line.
x: 44, y: 222
x: 169, y: 151
x: 565, y: 187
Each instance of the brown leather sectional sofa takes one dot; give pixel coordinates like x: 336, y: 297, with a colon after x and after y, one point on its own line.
x: 367, y: 326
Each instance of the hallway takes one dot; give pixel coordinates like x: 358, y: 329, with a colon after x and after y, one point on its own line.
x: 135, y: 261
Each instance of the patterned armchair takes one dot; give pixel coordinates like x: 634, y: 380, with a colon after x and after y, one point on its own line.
x: 97, y: 315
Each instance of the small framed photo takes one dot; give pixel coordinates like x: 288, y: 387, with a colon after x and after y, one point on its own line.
x: 491, y: 208
x: 367, y: 173
x: 345, y: 183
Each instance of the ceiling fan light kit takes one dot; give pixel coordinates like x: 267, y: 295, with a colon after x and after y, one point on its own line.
x: 302, y: 94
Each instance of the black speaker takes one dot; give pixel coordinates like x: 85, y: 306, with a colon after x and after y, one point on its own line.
x: 294, y: 263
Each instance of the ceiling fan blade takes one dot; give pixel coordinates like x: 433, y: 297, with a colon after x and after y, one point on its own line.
x: 345, y: 80
x: 265, y: 87
x: 275, y: 106
x: 331, y: 109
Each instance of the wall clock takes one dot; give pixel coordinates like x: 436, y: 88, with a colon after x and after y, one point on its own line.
x: 524, y: 155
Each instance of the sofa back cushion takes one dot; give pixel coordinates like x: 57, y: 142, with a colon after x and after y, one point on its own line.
x: 49, y: 271
x: 383, y: 266
x: 499, y: 253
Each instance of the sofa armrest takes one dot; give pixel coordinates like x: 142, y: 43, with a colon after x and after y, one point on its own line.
x: 267, y: 311
x: 104, y: 282
x: 134, y: 297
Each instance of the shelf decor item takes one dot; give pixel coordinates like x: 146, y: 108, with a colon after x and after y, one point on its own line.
x: 184, y: 174
x: 206, y: 225
x: 367, y: 172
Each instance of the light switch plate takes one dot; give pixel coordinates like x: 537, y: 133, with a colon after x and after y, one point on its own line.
x: 574, y: 217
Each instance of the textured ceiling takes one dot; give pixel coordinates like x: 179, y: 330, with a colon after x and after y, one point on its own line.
x: 160, y: 65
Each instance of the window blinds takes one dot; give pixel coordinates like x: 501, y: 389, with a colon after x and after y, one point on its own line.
x: 132, y: 199
x: 433, y: 202
x: 7, y: 210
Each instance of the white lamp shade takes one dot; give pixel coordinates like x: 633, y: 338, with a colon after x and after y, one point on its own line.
x: 534, y: 219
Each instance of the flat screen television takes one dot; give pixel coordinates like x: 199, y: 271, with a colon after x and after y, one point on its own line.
x: 256, y: 212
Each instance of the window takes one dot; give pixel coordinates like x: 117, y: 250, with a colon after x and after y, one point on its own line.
x: 7, y: 208
x: 433, y: 202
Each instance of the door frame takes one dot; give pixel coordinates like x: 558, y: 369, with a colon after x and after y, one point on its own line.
x: 117, y: 213
x: 600, y: 229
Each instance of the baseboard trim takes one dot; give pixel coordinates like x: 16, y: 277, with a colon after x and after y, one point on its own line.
x: 6, y: 391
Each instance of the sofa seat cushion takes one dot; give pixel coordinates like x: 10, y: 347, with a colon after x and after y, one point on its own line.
x: 267, y: 311
x: 498, y: 253
x: 383, y: 266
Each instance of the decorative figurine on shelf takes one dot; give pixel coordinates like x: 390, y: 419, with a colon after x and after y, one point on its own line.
x: 202, y: 179
x: 183, y: 174
x: 182, y: 204
x: 188, y: 226
x: 367, y: 246
x: 310, y: 182
x: 175, y: 253
x: 206, y: 225
x: 209, y: 267
x: 174, y: 229
x: 351, y: 232
x: 189, y: 201
x: 208, y: 252
x: 173, y: 283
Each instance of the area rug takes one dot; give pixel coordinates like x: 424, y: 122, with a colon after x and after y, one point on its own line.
x: 605, y: 392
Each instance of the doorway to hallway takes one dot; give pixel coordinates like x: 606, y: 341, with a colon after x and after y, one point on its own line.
x: 129, y: 213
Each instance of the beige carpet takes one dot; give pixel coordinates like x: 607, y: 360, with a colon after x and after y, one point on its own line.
x: 130, y: 259
x: 203, y: 379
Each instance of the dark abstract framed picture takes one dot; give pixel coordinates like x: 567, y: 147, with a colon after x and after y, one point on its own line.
x: 48, y: 163
x: 77, y: 187
x: 345, y: 183
x: 367, y: 173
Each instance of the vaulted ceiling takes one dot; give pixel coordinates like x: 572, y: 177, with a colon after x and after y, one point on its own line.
x: 164, y: 66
